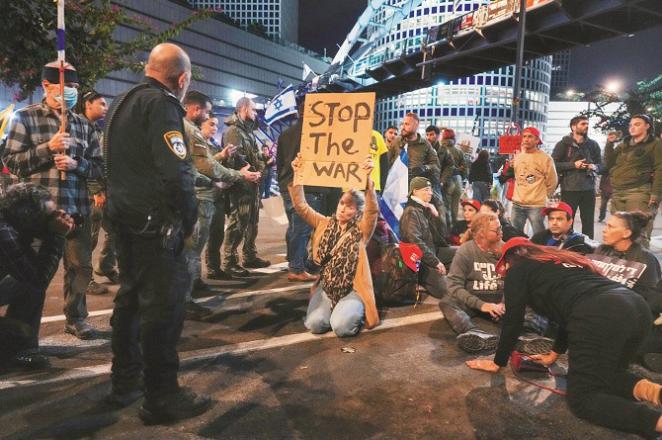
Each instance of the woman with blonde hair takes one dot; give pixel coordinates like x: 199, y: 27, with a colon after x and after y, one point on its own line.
x: 343, y: 299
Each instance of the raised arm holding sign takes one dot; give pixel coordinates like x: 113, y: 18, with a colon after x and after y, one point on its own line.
x: 335, y: 140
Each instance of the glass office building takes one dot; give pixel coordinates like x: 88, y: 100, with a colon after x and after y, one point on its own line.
x: 279, y: 17
x: 479, y: 105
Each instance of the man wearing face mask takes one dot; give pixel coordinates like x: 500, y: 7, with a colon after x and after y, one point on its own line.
x: 152, y: 210
x: 244, y: 196
x: 27, y: 212
x: 36, y: 151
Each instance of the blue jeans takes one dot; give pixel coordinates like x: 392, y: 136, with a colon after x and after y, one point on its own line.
x: 481, y: 191
x: 346, y: 318
x: 265, y: 186
x: 534, y: 214
x: 298, y: 232
x: 199, y: 239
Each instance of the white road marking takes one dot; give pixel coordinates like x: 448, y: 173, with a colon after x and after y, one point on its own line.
x: 233, y: 349
x: 292, y: 288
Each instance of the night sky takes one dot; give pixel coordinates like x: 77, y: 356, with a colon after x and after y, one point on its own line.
x: 325, y: 23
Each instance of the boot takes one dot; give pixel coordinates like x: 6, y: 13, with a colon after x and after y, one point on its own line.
x: 180, y: 405
x: 647, y: 391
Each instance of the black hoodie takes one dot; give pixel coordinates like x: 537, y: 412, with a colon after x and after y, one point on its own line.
x: 566, y: 153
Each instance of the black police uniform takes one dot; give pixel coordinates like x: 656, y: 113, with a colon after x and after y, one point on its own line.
x: 152, y: 208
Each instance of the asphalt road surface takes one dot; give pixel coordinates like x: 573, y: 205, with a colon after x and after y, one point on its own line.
x: 271, y: 379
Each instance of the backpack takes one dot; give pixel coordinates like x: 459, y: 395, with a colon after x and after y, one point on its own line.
x: 397, y: 282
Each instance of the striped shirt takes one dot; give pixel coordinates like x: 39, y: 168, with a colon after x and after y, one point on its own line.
x: 28, y: 157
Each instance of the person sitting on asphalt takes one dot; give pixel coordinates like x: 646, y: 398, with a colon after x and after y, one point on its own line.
x: 421, y: 225
x: 470, y: 207
x: 496, y: 207
x: 601, y: 325
x: 620, y: 240
x: 559, y: 233
x: 27, y: 212
x: 476, y: 290
x: 343, y: 298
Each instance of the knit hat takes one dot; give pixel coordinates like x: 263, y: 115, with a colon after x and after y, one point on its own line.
x: 560, y: 206
x: 534, y: 131
x: 419, y: 183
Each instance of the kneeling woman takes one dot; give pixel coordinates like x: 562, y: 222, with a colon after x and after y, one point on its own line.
x: 343, y: 299
x: 601, y: 322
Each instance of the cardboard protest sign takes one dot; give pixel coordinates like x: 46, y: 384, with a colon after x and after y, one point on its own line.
x: 622, y: 271
x: 335, y: 139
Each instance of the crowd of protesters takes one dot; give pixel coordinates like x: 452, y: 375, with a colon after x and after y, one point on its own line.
x: 498, y: 290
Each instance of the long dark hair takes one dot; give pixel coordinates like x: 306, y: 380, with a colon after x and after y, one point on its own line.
x: 546, y: 254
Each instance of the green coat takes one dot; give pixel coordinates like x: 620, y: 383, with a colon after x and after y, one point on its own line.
x: 632, y: 166
x: 240, y: 134
x: 206, y: 165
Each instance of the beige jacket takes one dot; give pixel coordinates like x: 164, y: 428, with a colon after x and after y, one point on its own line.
x: 362, y: 278
x: 535, y: 178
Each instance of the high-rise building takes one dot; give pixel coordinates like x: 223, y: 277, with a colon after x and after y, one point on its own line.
x: 280, y: 18
x: 560, y: 72
x: 479, y: 105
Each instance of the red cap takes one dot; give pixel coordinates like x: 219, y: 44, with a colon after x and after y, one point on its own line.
x: 560, y: 206
x: 411, y: 255
x: 534, y: 131
x: 447, y: 133
x: 510, y: 244
x: 471, y: 202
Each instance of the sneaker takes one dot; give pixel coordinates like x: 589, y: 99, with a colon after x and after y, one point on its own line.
x: 237, y: 271
x: 113, y: 276
x: 533, y: 344
x: 303, y: 276
x: 218, y: 274
x: 196, y: 312
x: 475, y: 341
x: 29, y: 360
x: 180, y: 405
x: 257, y: 263
x: 80, y: 329
x: 95, y: 288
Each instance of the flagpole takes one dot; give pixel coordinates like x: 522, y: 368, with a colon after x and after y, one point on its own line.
x: 60, y: 58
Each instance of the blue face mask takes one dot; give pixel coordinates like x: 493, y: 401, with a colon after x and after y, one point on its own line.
x: 70, y: 97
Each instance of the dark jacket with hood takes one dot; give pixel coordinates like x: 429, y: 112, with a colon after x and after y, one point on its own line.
x: 423, y: 160
x: 566, y: 153
x: 573, y: 242
x: 419, y: 226
x: 240, y: 134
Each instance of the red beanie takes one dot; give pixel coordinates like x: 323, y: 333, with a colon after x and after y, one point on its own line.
x: 448, y: 133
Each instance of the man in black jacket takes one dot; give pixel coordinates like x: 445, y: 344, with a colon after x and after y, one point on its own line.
x: 27, y: 212
x: 577, y: 161
x: 559, y: 231
x: 421, y: 224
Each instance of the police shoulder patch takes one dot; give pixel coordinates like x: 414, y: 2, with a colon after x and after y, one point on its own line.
x: 175, y: 141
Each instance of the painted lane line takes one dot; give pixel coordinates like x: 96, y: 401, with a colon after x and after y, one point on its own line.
x: 292, y: 288
x: 233, y: 349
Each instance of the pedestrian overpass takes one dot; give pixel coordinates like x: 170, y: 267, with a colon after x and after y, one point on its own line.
x: 486, y: 39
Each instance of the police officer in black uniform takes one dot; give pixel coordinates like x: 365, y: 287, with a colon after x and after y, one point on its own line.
x: 152, y: 209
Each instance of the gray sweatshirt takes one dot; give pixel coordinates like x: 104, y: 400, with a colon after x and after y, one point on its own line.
x: 472, y: 279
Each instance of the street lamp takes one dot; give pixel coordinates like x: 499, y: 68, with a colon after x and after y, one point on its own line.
x: 614, y: 86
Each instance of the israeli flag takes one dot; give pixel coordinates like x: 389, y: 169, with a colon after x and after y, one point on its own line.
x: 394, y: 195
x: 283, y: 104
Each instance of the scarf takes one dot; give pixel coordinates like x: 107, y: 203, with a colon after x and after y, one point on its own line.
x: 338, y: 255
